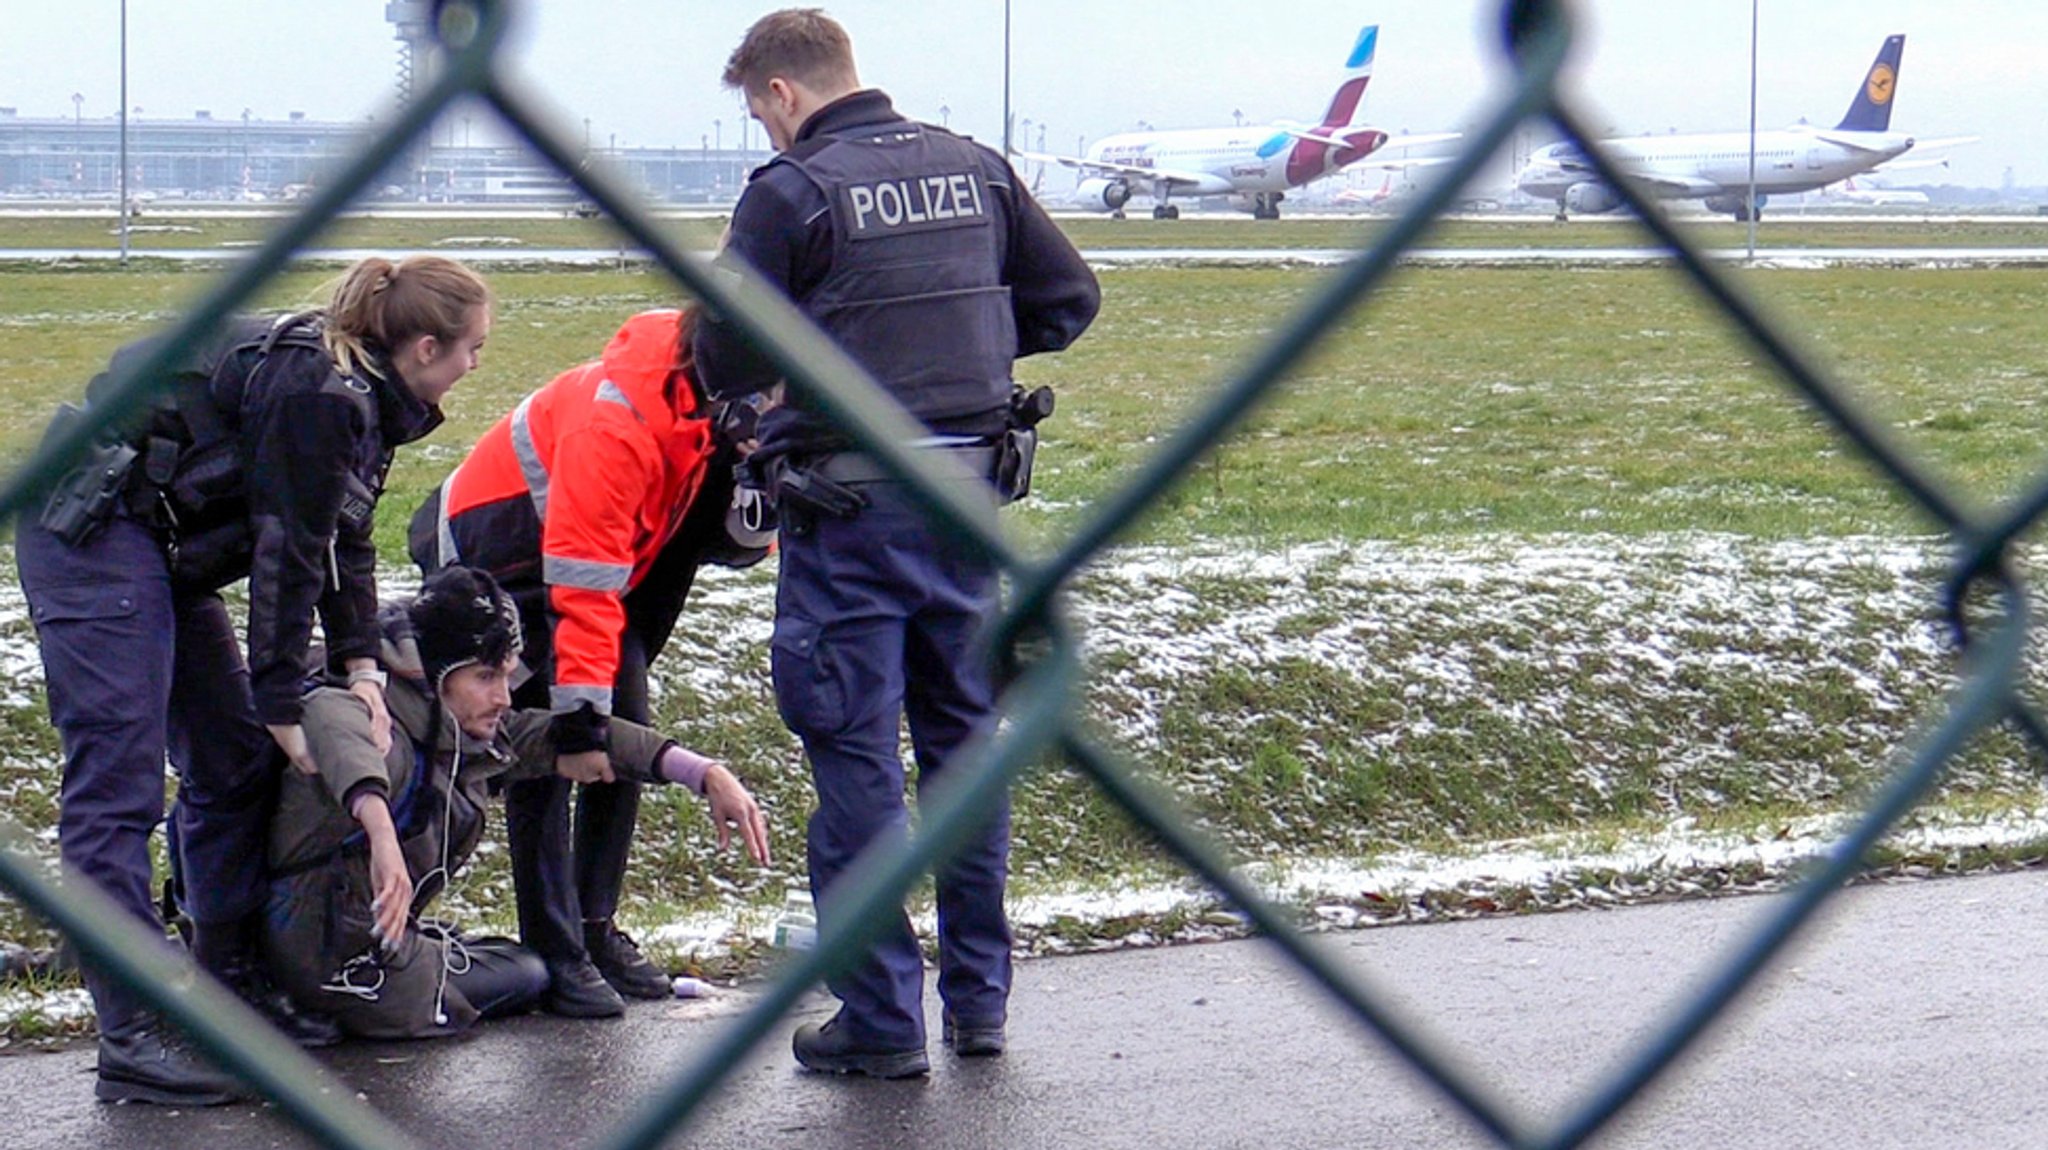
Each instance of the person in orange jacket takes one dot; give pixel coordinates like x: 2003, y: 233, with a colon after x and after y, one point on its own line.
x: 593, y: 503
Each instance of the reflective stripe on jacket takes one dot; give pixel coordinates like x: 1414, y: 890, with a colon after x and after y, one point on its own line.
x: 577, y: 490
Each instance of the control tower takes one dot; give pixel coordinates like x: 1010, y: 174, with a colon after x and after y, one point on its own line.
x: 419, y: 53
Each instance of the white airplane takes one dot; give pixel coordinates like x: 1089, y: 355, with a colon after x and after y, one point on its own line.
x: 1254, y: 166
x: 1715, y: 167
x: 1885, y: 197
x: 1359, y: 197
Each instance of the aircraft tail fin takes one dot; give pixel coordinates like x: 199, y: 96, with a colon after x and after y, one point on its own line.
x: 1357, y: 71
x: 1871, y: 110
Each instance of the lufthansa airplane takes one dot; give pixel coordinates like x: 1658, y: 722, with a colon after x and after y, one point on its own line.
x: 1254, y: 166
x: 1715, y: 167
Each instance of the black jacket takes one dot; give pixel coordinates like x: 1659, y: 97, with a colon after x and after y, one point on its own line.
x: 314, y: 457
x: 782, y: 230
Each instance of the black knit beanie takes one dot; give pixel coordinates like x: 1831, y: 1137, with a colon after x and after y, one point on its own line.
x: 461, y: 617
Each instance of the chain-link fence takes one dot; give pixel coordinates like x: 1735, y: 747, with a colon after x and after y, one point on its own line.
x: 1041, y: 705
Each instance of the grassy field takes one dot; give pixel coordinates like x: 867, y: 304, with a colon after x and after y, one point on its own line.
x: 168, y: 228
x: 1518, y: 550
x: 1519, y: 400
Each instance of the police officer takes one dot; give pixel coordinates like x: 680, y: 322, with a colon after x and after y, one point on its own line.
x: 267, y: 466
x: 922, y: 255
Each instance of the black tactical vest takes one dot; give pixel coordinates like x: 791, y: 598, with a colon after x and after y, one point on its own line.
x: 190, y: 440
x: 915, y: 294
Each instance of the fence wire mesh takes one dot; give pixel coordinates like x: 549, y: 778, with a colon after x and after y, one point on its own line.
x: 1043, y: 724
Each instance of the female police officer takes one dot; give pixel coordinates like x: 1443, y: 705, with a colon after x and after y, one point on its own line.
x: 265, y: 461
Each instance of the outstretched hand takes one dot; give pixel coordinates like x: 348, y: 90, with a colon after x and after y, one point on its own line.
x: 733, y: 806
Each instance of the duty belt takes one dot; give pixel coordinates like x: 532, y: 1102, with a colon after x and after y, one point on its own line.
x: 978, y: 460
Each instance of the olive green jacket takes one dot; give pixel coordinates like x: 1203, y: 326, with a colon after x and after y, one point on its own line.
x: 436, y: 780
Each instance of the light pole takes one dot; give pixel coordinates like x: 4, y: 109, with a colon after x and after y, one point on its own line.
x: 1006, y: 78
x: 78, y: 107
x: 945, y: 116
x: 1752, y: 130
x: 121, y: 188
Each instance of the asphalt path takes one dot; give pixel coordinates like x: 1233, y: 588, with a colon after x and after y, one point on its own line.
x: 1912, y: 1015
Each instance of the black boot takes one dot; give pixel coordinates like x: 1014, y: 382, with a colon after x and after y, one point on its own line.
x: 145, y: 1061
x: 227, y: 950
x: 618, y: 958
x: 972, y: 1040
x: 577, y: 990
x: 832, y: 1049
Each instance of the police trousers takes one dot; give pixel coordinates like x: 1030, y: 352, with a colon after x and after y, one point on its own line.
x: 136, y: 672
x: 876, y: 620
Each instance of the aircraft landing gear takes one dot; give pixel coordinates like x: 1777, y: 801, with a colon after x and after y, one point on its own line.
x: 1165, y: 212
x: 1117, y: 214
x: 1265, y: 207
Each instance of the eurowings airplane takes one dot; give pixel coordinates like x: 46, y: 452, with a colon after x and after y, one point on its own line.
x: 1715, y: 167
x: 1254, y: 166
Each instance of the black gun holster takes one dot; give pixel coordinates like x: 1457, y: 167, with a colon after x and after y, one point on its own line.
x: 89, y: 494
x: 803, y: 495
x: 1014, y: 456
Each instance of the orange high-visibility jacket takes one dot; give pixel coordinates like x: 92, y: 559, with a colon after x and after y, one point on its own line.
x: 586, y: 480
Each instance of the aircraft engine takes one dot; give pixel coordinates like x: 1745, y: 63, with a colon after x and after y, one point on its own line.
x: 1733, y: 205
x: 1102, y: 194
x: 1590, y: 199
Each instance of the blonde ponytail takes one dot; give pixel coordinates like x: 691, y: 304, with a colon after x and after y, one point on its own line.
x: 379, y: 306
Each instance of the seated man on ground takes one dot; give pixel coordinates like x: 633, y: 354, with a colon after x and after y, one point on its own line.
x: 358, y: 849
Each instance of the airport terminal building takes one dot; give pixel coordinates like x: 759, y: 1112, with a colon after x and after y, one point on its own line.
x: 243, y: 158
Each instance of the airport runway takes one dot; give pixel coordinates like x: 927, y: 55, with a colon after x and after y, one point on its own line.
x: 1903, y: 257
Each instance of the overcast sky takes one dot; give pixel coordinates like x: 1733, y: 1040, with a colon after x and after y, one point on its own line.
x: 645, y: 72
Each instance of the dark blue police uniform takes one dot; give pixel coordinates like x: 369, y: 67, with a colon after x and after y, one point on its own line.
x: 921, y: 255
x: 140, y: 659
x: 136, y: 666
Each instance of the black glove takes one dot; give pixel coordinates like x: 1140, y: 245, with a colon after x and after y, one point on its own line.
x: 582, y: 729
